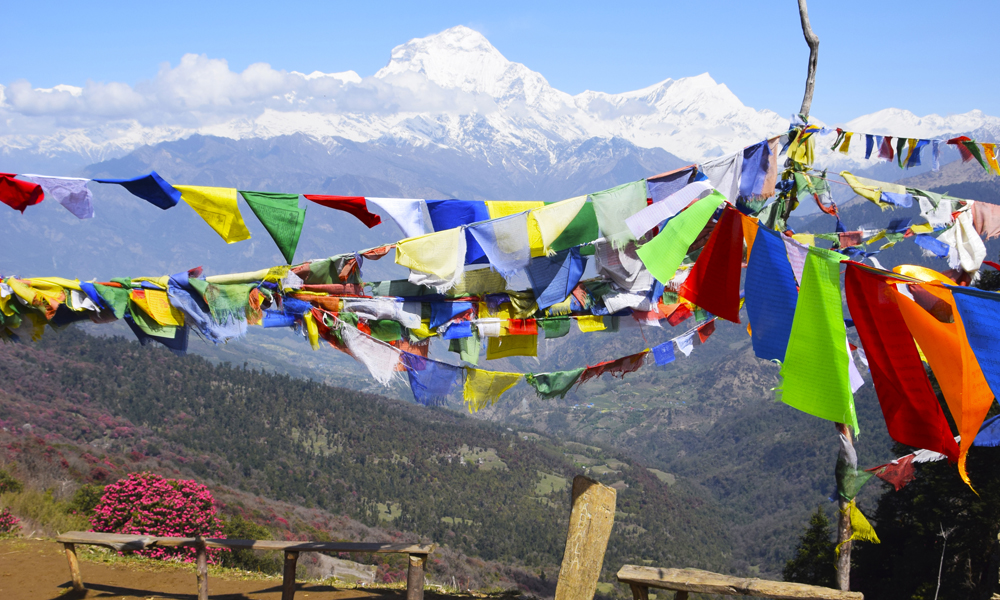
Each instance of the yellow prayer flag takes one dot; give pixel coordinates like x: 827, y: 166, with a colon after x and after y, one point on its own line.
x: 808, y: 239
x: 484, y: 388
x: 588, y: 323
x: 312, y: 330
x: 503, y: 208
x: 553, y: 219
x: 219, y: 209
x: 434, y: 253
x: 922, y: 228
x: 990, y: 150
x: 511, y: 345
x: 846, y: 145
x: 161, y: 310
x: 52, y: 283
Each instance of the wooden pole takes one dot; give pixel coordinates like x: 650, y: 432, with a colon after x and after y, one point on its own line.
x: 813, y: 40
x: 202, y: 567
x: 415, y: 577
x: 74, y: 567
x: 844, y: 529
x: 288, y: 581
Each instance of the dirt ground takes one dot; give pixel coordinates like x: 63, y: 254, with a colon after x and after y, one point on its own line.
x: 37, y: 570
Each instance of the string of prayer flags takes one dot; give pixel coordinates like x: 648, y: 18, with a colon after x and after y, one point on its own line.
x: 714, y: 282
x: 435, y: 259
x: 19, y: 194
x: 281, y: 217
x: 911, y: 409
x: 552, y: 385
x: 950, y: 356
x: 505, y: 242
x: 411, y: 216
x: 354, y: 205
x: 217, y: 206
x: 431, y: 381
x: 71, y: 192
x: 664, y: 253
x: 614, y: 206
x: 814, y: 374
x: 483, y: 388
x: 968, y: 149
x: 151, y: 188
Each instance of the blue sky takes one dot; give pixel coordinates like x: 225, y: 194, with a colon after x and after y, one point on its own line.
x: 922, y: 56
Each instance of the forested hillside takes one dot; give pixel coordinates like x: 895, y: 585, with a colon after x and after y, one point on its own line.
x: 478, y: 487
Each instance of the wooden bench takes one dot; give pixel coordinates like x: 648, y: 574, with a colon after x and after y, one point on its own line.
x: 130, y: 543
x: 682, y: 581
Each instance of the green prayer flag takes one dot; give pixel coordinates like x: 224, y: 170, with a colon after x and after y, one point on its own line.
x: 550, y: 385
x: 227, y: 301
x: 281, y: 216
x: 664, y: 253
x: 386, y: 330
x: 900, y: 144
x: 771, y: 216
x: 582, y: 229
x: 467, y: 348
x: 850, y: 479
x: 148, y: 325
x: 974, y: 149
x: 614, y: 206
x: 115, y: 297
x: 814, y: 375
x: 399, y: 287
x: 554, y: 327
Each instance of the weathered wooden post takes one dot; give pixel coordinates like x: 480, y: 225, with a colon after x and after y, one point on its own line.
x: 288, y: 579
x: 74, y: 567
x: 415, y: 577
x: 844, y: 527
x: 590, y: 523
x: 202, y: 567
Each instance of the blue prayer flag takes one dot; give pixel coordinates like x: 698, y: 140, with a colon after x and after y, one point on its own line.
x: 771, y: 295
x: 151, y: 188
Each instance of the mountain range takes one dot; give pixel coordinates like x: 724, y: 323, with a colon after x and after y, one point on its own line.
x: 450, y: 91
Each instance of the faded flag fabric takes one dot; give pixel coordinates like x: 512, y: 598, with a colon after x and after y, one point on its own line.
x: 71, y: 192
x: 614, y: 206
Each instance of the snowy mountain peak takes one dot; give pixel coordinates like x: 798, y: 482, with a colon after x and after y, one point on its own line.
x: 462, y: 58
x: 900, y: 122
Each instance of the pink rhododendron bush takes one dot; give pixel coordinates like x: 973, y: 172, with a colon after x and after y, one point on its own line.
x: 148, y: 504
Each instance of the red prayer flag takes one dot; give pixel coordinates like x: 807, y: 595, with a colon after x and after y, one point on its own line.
x: 714, y: 282
x: 706, y: 330
x: 912, y: 412
x: 617, y: 368
x: 898, y: 473
x: 355, y: 205
x: 522, y: 327
x: 19, y: 194
x: 679, y: 314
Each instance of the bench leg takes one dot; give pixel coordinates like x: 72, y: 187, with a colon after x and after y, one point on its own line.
x: 202, y: 571
x: 74, y: 567
x: 288, y: 582
x: 639, y: 592
x: 681, y: 595
x: 415, y: 577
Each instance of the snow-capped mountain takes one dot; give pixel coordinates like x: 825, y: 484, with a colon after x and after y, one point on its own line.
x: 452, y: 89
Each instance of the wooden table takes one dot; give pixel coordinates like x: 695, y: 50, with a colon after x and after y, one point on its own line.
x: 130, y: 543
x: 683, y: 581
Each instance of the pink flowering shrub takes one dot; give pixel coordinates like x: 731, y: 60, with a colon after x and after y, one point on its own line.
x: 8, y: 522
x: 146, y: 503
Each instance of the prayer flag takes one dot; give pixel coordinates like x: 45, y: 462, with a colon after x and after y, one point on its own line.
x: 449, y: 214
x: 281, y: 217
x: 664, y: 354
x: 664, y: 253
x: 912, y: 412
x: 505, y: 242
x: 438, y: 257
x: 554, y: 277
x: 430, y: 381
x: 484, y: 388
x: 552, y: 220
x: 714, y: 282
x: 219, y: 209
x: 666, y: 184
x: 71, y: 192
x: 354, y: 205
x: 19, y: 194
x: 411, y: 216
x: 615, y: 205
x: 551, y: 385
x: 151, y: 188
x: 511, y: 345
x: 815, y: 375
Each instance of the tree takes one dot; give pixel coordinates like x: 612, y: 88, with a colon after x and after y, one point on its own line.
x: 815, y: 557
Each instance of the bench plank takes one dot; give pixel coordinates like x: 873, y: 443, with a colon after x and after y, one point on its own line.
x: 706, y: 582
x: 113, y: 539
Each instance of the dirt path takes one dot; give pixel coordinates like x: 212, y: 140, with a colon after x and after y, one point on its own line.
x: 37, y: 570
